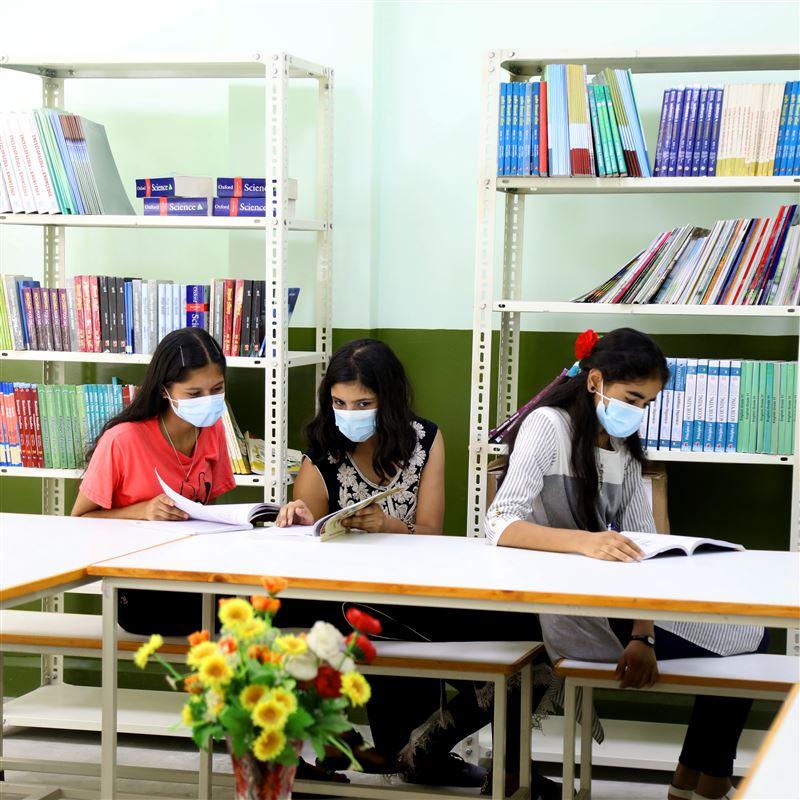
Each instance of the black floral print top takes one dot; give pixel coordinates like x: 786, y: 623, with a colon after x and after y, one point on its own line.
x: 346, y: 484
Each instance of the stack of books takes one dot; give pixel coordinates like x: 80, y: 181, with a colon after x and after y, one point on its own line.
x: 738, y: 262
x: 737, y: 130
x: 565, y: 125
x: 105, y: 314
x: 52, y: 162
x: 187, y: 196
x: 54, y: 426
x: 724, y: 406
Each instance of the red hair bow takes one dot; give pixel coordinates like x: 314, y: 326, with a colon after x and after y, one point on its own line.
x: 585, y: 343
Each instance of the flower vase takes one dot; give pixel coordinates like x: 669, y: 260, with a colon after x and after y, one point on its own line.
x: 261, y: 780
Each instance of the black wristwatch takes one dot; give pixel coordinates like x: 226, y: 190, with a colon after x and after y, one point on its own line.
x: 648, y: 640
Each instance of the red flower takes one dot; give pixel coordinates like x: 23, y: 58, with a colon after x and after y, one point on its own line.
x: 328, y: 682
x: 228, y: 645
x: 362, y: 622
x: 363, y: 647
x: 585, y: 343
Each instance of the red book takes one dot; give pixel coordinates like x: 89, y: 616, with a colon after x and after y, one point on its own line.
x: 11, y: 422
x: 37, y: 427
x: 31, y: 299
x: 746, y: 278
x: 86, y: 293
x: 769, y: 255
x: 543, y: 167
x: 23, y: 427
x: 126, y: 395
x: 238, y: 302
x: 79, y: 321
x: 97, y: 339
x: 227, y: 317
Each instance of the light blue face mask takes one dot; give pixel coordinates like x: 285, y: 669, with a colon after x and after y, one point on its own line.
x: 357, y: 426
x: 620, y: 419
x: 202, y: 412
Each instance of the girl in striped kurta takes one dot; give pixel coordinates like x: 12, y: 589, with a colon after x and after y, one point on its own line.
x: 574, y: 480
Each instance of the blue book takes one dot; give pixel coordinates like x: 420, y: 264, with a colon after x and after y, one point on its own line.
x: 175, y: 206
x: 501, y: 129
x: 697, y: 148
x: 155, y: 187
x: 698, y: 426
x: 687, y: 135
x: 712, y: 399
x: 21, y: 285
x: 723, y: 404
x: 535, y: 121
x: 195, y: 305
x: 687, y: 425
x: 527, y: 120
x: 5, y: 460
x: 677, y: 123
x: 128, y: 298
x: 705, y: 141
x: 716, y: 121
x: 602, y: 170
x: 790, y: 140
x: 782, y: 126
x: 663, y: 134
x: 734, y: 391
x: 241, y: 187
x: 792, y: 160
x: 667, y: 401
x: 515, y: 87
x: 507, y: 131
x: 625, y: 81
x: 239, y: 207
x: 58, y: 132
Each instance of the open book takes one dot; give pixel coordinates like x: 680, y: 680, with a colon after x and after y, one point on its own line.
x: 656, y: 544
x: 243, y: 516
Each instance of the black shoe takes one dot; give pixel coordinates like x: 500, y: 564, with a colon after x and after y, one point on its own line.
x: 449, y: 771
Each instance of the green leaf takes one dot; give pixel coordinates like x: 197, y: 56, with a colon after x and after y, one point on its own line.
x: 298, y: 723
x: 334, y: 723
x: 287, y: 755
x: 236, y: 720
x: 209, y: 730
x: 239, y: 745
x: 318, y: 743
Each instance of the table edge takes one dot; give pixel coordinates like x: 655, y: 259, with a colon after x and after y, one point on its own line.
x: 21, y: 589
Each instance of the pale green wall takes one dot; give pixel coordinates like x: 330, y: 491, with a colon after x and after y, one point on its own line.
x: 408, y: 83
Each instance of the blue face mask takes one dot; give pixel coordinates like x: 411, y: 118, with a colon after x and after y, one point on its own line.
x: 618, y: 418
x: 202, y: 412
x: 357, y: 426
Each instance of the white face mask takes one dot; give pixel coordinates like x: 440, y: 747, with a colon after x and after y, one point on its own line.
x: 202, y: 412
x: 357, y: 426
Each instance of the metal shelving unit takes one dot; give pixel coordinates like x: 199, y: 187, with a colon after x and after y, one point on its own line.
x: 518, y: 66
x: 275, y: 71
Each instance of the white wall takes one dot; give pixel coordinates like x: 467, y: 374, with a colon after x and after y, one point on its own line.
x: 407, y: 104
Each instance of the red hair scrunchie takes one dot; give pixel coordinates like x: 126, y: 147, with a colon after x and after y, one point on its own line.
x: 585, y: 343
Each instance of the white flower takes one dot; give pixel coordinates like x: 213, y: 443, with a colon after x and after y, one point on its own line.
x: 325, y: 640
x: 215, y: 702
x: 419, y: 429
x: 302, y: 667
x: 342, y: 662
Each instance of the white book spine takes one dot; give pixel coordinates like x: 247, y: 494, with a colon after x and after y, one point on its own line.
x: 145, y: 339
x: 73, y: 317
x: 136, y: 288
x: 176, y: 305
x: 654, y: 426
x: 712, y: 391
x: 152, y: 312
x: 665, y: 434
x: 699, y: 416
x: 5, y: 200
x: 721, y: 425
x: 14, y: 312
x: 678, y: 404
x: 7, y: 168
x: 18, y: 133
x: 643, y: 427
x: 39, y: 165
x: 689, y: 404
x: 162, y: 310
x: 733, y: 407
x: 17, y: 164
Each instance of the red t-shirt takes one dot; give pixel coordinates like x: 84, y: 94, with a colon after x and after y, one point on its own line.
x: 122, y: 469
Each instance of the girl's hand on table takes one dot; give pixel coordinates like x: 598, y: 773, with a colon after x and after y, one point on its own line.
x: 162, y: 508
x: 294, y: 513
x: 610, y: 546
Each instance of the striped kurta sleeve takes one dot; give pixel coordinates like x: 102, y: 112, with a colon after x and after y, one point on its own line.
x: 635, y: 511
x: 533, y: 455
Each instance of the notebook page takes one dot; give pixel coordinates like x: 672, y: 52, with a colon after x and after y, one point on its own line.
x: 237, y: 514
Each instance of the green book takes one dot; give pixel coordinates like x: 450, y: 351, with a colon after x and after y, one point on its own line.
x: 54, y: 162
x: 73, y: 432
x: 776, y: 399
x: 60, y: 421
x: 605, y: 132
x: 788, y: 397
x: 764, y: 406
x: 755, y: 391
x: 783, y: 407
x: 745, y: 407
x: 44, y: 421
x: 6, y: 340
x: 83, y: 421
x: 614, y: 112
x: 793, y: 407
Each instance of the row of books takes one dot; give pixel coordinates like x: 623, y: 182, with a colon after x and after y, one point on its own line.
x: 52, y: 162
x: 54, y: 426
x: 724, y: 406
x: 565, y: 125
x: 742, y: 129
x: 106, y: 314
x: 737, y: 262
x: 192, y: 196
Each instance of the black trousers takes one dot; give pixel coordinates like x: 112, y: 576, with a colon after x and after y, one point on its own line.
x: 168, y: 613
x: 400, y: 705
x: 716, y: 722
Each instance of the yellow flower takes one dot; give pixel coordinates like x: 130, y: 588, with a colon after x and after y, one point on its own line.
x: 146, y: 650
x: 200, y: 652
x: 214, y: 671
x: 187, y: 717
x: 270, y: 715
x: 291, y: 644
x: 284, y: 698
x: 356, y: 688
x: 251, y: 629
x: 250, y: 695
x: 234, y: 612
x: 269, y: 745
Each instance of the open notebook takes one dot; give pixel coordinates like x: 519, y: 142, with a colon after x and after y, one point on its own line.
x: 243, y: 516
x: 657, y: 544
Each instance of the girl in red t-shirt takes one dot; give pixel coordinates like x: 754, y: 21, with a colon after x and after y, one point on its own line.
x: 172, y: 425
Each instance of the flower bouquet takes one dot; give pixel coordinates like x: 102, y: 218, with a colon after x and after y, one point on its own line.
x: 266, y: 692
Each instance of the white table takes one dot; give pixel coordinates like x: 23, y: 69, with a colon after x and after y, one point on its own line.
x: 750, y: 587
x: 41, y: 555
x: 775, y: 774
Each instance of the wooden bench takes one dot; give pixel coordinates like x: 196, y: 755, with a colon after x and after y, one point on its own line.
x: 756, y: 675
x: 81, y: 634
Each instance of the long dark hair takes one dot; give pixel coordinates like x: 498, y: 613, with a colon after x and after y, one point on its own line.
x: 177, y: 354
x: 373, y: 364
x: 623, y: 354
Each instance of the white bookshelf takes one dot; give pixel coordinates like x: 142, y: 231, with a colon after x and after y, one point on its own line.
x: 509, y: 305
x: 274, y: 71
